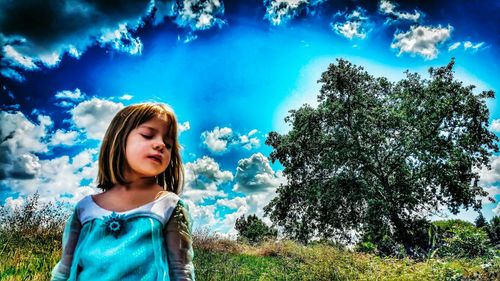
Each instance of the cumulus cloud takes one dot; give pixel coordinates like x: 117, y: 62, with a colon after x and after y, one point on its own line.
x: 254, y: 174
x: 68, y: 98
x: 203, y: 178
x: 490, y: 177
x: 24, y: 172
x: 71, y: 95
x: 356, y: 24
x: 199, y: 14
x: 281, y: 11
x: 390, y: 9
x: 220, y: 140
x: 93, y: 116
x: 20, y: 140
x: 421, y: 40
x: 250, y: 204
x: 72, y: 26
x: 60, y: 178
x: 61, y: 27
x: 121, y: 40
x: 62, y: 137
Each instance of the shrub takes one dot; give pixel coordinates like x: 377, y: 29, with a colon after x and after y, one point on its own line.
x: 253, y: 229
x: 460, y: 239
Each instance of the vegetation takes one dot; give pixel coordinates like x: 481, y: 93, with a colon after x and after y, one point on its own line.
x: 30, y: 252
x: 253, y: 230
x: 375, y: 158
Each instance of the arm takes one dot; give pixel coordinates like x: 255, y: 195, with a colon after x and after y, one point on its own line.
x: 70, y: 238
x: 179, y: 243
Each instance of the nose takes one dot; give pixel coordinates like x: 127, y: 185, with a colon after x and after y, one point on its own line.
x: 159, y: 146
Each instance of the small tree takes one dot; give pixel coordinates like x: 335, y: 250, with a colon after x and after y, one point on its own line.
x: 253, y: 229
x: 481, y: 221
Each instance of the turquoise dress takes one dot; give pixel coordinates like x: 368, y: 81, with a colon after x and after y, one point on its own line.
x: 151, y: 242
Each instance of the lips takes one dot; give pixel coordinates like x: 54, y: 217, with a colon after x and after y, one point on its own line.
x: 156, y: 158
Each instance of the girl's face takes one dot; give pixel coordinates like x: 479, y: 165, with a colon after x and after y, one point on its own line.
x: 148, y: 150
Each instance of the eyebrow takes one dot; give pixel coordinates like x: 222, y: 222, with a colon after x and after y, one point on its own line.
x: 151, y: 128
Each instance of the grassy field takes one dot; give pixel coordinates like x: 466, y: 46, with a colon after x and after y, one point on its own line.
x: 219, y: 259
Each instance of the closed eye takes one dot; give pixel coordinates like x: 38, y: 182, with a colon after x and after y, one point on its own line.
x: 147, y: 136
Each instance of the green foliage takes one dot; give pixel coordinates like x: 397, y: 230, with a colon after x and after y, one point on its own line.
x: 375, y: 155
x: 494, y: 231
x: 481, y: 221
x: 253, y: 229
x: 460, y: 239
x: 30, y: 239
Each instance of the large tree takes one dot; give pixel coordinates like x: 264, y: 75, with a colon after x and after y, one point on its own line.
x: 379, y: 157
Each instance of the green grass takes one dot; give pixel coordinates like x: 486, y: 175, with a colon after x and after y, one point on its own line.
x: 217, y: 259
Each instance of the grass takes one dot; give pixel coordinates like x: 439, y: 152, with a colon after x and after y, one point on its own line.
x: 219, y: 259
x: 30, y: 246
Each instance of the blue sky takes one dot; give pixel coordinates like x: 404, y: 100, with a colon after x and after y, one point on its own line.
x: 230, y: 69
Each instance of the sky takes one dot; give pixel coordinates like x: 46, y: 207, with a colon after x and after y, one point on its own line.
x: 231, y: 70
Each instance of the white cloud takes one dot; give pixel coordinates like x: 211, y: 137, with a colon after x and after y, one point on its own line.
x: 421, y: 40
x: 474, y: 47
x: 63, y: 137
x: 21, y: 135
x: 281, y: 11
x: 200, y: 14
x: 121, y: 40
x: 495, y: 125
x: 203, y: 178
x: 184, y: 126
x: 254, y: 174
x: 356, y: 24
x: 490, y: 177
x: 220, y: 140
x: 126, y: 97
x: 496, y: 211
x: 75, y: 95
x: 468, y: 45
x: 24, y: 172
x: 454, y: 46
x: 93, y: 116
x: 21, y: 140
x: 60, y: 176
x: 18, y: 59
x: 389, y: 8
x: 79, y: 25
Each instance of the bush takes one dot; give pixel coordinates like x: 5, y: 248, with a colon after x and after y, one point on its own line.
x: 460, y: 239
x: 32, y: 222
x: 253, y: 229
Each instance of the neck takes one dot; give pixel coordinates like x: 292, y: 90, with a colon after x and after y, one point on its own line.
x: 138, y: 182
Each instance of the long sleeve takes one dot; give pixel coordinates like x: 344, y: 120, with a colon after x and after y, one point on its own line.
x: 179, y: 243
x: 70, y: 238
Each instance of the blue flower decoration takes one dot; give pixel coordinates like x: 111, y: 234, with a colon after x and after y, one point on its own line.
x: 114, y: 224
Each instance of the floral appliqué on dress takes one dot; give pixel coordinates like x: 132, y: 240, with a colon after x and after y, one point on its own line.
x: 114, y: 224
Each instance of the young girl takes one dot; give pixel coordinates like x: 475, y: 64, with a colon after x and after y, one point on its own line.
x: 137, y: 228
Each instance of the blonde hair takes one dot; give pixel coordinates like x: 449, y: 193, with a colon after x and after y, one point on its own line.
x: 112, y: 161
